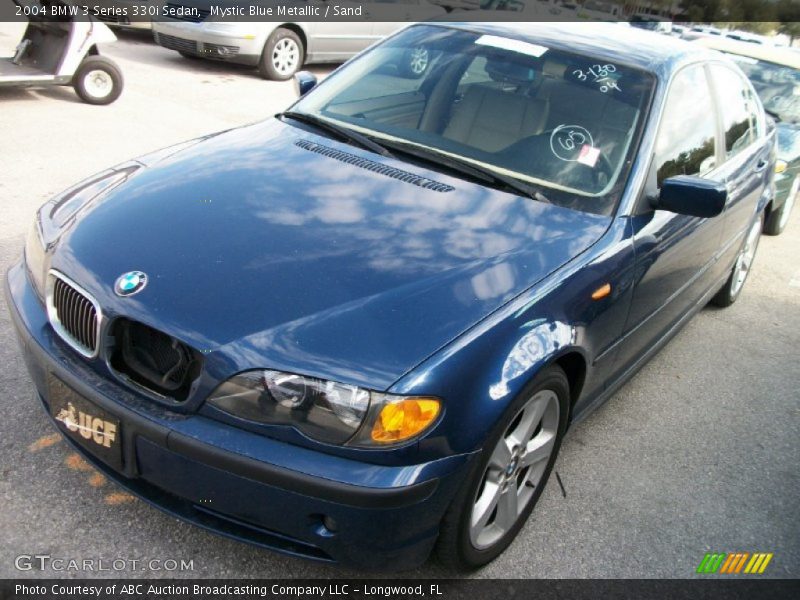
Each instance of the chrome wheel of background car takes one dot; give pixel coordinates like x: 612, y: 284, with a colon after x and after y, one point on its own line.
x: 418, y: 61
x: 98, y: 83
x: 286, y: 56
x: 788, y: 204
x: 746, y: 256
x: 515, y: 469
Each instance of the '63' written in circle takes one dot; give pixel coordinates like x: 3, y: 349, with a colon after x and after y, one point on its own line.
x: 566, y: 141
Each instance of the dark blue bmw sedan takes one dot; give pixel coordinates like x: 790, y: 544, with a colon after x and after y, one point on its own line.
x: 359, y: 331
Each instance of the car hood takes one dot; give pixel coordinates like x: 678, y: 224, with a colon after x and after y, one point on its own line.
x: 276, y: 247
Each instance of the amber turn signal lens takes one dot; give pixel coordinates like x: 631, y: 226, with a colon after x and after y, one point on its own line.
x: 601, y: 292
x: 404, y: 419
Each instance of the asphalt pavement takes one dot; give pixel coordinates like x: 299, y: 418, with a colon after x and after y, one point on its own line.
x: 698, y: 453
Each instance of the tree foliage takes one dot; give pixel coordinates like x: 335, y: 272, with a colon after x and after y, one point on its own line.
x: 744, y: 12
x: 758, y: 16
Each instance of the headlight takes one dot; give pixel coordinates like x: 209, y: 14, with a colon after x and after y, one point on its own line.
x: 56, y: 214
x: 780, y: 166
x: 327, y: 411
x: 34, y: 256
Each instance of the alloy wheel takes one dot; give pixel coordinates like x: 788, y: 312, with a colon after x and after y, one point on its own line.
x: 515, y: 469
x: 746, y: 256
x: 418, y: 61
x: 285, y: 56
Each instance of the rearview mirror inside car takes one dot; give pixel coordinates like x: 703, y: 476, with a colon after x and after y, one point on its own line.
x: 693, y: 196
x: 304, y: 82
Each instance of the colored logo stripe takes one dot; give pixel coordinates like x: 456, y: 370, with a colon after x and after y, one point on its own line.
x: 710, y: 563
x: 758, y: 563
x: 733, y: 563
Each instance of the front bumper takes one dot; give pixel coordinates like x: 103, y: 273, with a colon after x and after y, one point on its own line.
x: 200, y: 39
x: 240, y: 484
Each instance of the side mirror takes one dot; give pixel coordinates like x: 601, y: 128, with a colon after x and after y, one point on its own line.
x: 304, y: 82
x: 693, y: 196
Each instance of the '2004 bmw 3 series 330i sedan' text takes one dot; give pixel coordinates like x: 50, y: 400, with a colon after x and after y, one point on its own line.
x: 358, y: 331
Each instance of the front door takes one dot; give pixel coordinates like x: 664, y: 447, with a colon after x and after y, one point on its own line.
x: 674, y: 253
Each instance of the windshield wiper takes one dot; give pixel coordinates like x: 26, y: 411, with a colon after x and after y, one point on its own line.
x: 469, y: 169
x: 773, y: 114
x: 343, y: 133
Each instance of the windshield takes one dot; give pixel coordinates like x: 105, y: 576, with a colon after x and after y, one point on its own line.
x: 566, y: 123
x: 777, y: 86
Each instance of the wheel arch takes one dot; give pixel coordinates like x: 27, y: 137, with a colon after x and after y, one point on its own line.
x: 767, y: 199
x: 573, y: 363
x: 769, y: 207
x: 301, y: 33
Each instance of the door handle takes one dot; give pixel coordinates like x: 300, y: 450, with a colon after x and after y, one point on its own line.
x: 761, y: 165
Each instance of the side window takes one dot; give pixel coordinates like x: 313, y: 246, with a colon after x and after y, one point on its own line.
x: 739, y: 114
x: 686, y: 138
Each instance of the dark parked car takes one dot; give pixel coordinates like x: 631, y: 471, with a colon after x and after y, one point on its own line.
x: 775, y: 75
x: 360, y: 330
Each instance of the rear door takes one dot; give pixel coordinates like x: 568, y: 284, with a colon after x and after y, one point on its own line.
x: 333, y: 40
x: 675, y: 254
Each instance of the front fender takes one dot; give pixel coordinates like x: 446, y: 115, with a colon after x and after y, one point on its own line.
x: 541, y: 343
x: 478, y: 386
x: 479, y: 374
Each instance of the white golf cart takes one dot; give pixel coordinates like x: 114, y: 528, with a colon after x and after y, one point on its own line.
x: 60, y: 48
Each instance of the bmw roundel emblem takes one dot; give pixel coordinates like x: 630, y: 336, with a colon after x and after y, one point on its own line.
x: 130, y: 283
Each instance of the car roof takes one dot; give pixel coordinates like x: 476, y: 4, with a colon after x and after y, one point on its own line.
x: 609, y: 41
x: 773, y: 54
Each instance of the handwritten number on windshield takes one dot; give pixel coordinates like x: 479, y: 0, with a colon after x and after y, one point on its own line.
x: 601, y: 75
x: 567, y: 141
x: 572, y: 139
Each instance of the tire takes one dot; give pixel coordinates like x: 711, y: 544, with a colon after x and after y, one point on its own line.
x: 732, y: 289
x: 462, y: 546
x: 189, y: 56
x: 282, y: 56
x: 98, y: 80
x: 778, y: 219
x: 415, y: 63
